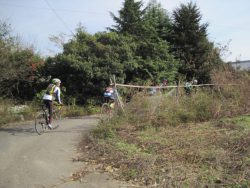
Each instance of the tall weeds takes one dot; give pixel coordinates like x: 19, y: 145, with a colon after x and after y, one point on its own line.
x: 228, y: 97
x: 11, y: 112
x: 171, y: 142
x: 233, y: 91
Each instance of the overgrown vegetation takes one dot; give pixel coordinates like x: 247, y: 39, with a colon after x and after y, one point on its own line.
x: 10, y: 112
x: 143, y: 46
x: 19, y: 67
x: 199, y: 140
x: 184, y: 141
x: 78, y: 111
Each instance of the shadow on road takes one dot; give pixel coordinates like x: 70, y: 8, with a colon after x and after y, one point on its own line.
x: 29, y: 129
x: 19, y: 130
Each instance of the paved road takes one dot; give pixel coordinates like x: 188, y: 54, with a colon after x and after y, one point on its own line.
x: 31, y: 161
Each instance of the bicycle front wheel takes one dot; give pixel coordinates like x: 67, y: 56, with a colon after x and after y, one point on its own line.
x: 57, y: 119
x: 106, y: 111
x: 40, y: 123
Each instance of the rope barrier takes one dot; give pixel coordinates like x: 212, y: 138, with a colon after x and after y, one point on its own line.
x: 162, y: 87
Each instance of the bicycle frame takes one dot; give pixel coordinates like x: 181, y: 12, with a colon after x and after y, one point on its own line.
x: 46, y: 114
x: 42, y: 119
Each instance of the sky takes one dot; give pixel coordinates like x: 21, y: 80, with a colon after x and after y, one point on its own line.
x: 35, y: 21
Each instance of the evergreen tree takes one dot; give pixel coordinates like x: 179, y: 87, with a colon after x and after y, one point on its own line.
x: 190, y: 43
x: 157, y: 21
x: 151, y: 59
x: 130, y: 18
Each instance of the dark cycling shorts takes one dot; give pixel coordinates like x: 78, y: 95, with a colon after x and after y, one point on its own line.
x: 48, y: 105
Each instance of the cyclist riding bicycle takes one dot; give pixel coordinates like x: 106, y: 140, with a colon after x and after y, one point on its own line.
x: 189, y: 86
x: 163, y: 84
x: 53, y: 93
x: 110, y: 95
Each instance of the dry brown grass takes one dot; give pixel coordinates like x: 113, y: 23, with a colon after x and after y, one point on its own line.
x: 10, y: 112
x: 179, y: 143
x: 195, y: 155
x: 233, y: 89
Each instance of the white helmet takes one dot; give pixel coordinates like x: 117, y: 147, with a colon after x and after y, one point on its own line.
x: 56, y: 80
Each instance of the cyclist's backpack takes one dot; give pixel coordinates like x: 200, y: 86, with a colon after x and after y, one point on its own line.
x: 50, y: 89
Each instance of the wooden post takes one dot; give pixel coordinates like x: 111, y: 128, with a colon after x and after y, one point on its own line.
x: 178, y: 90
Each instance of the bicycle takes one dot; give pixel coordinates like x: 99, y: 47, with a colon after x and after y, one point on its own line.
x: 107, y: 109
x: 110, y: 106
x: 42, y: 119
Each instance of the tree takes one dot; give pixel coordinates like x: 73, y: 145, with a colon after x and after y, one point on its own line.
x: 190, y: 43
x: 157, y: 21
x: 18, y: 67
x: 152, y: 61
x: 148, y: 28
x: 130, y: 18
x: 89, y: 61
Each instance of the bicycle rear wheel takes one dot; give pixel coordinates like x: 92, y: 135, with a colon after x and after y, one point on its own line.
x: 40, y: 123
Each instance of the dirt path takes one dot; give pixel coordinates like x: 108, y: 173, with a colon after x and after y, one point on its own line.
x: 31, y: 161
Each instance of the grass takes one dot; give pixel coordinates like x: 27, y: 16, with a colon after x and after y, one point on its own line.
x: 203, y: 154
x: 240, y: 122
x: 10, y: 112
x: 74, y: 111
x: 126, y: 147
x: 200, y: 140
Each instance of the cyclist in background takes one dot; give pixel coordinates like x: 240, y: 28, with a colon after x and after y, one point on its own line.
x: 153, y: 90
x: 163, y: 84
x: 110, y: 95
x: 190, y: 86
x: 53, y: 93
